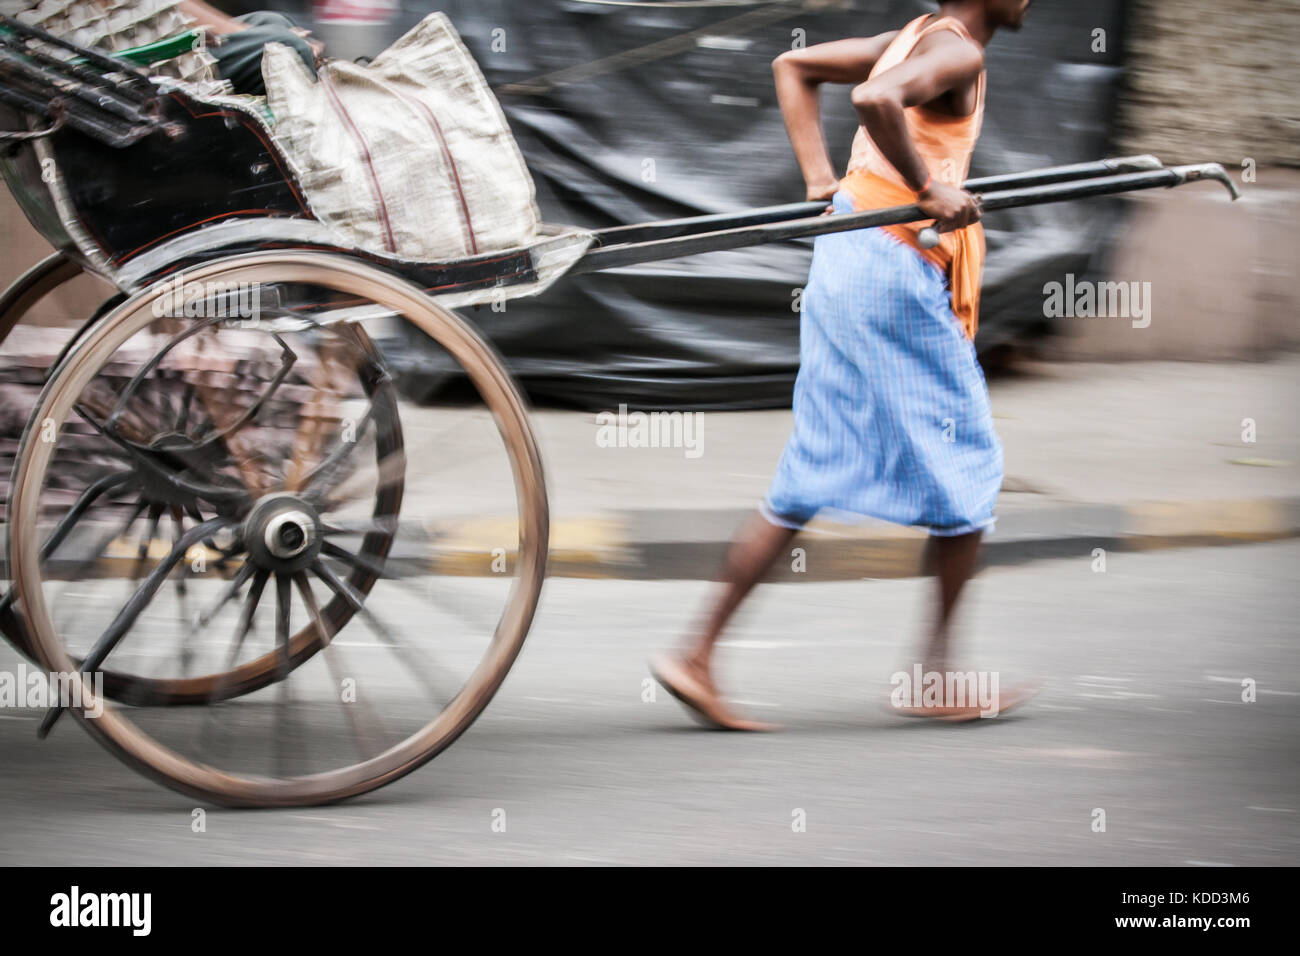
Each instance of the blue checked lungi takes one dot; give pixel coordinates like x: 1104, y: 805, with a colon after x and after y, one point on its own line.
x: 891, y: 412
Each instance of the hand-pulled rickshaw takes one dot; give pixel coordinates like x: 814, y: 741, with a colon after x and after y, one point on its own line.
x: 214, y: 490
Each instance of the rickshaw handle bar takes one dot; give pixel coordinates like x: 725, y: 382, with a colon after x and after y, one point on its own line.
x: 669, y: 228
x: 633, y: 253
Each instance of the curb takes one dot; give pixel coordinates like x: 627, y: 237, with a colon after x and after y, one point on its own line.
x: 686, y: 544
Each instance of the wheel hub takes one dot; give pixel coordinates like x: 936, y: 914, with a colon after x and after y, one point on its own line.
x: 282, y: 533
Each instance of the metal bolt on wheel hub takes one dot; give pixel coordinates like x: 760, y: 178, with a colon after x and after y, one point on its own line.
x: 282, y: 533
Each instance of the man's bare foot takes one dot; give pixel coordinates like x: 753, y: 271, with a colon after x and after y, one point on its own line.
x: 692, y: 685
x: 1007, y: 699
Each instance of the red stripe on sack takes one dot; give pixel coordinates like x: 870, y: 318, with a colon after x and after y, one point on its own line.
x: 389, y: 242
x: 450, y: 162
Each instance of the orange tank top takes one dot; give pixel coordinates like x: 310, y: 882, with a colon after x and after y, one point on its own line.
x: 945, y: 143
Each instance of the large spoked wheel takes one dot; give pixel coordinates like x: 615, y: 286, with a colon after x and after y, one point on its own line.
x: 217, y: 501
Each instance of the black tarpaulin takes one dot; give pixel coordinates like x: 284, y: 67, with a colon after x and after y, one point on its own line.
x: 634, y: 112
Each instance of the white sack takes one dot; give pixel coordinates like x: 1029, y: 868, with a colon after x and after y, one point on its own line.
x: 408, y: 155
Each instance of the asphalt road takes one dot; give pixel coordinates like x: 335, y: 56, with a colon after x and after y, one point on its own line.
x: 1141, y: 716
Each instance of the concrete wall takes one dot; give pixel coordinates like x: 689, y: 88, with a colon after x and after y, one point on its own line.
x: 1214, y: 80
x: 1222, y: 276
x: 1209, y: 81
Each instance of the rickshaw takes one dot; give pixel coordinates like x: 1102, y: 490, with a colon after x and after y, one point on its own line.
x: 215, y: 491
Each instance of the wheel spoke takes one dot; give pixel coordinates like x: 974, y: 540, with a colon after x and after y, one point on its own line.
x: 379, y: 567
x: 245, y: 621
x: 284, y: 715
x: 88, y: 497
x: 151, y: 532
x: 68, y: 521
x: 367, y: 725
x: 182, y: 593
x: 415, y: 661
x: 144, y: 594
x: 83, y: 565
x: 134, y: 606
x: 365, y: 563
x: 208, y: 542
x: 212, y: 714
x: 142, y: 550
x: 381, y: 525
x: 204, y: 618
x: 283, y: 597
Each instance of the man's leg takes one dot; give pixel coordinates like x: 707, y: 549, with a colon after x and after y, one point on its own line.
x: 951, y: 559
x: 751, y: 555
x: 689, y: 673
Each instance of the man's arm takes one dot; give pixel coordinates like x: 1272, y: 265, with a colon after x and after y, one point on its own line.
x: 940, y: 63
x: 798, y: 75
x: 216, y: 22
